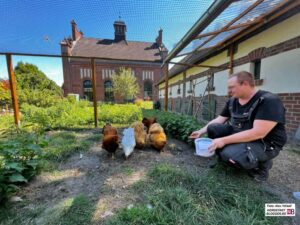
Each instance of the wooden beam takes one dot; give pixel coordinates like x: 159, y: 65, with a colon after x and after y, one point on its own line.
x: 231, y: 22
x: 187, y: 53
x: 229, y: 28
x: 94, y: 92
x: 233, y: 38
x: 196, y: 65
x: 166, y: 71
x: 231, y: 59
x: 13, y: 88
x: 74, y: 57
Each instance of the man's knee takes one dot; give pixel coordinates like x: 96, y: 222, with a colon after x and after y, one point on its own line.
x: 217, y: 130
x: 237, y: 155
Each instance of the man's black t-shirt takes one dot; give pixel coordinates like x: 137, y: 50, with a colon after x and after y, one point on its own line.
x: 271, y: 108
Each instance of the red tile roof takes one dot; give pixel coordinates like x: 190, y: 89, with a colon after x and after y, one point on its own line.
x: 106, y: 48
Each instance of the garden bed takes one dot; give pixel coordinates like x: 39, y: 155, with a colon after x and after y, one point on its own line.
x: 148, y: 188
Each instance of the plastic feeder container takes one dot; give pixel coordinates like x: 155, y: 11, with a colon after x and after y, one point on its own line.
x: 202, y: 145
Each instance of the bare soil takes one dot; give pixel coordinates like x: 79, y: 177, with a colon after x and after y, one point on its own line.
x: 106, y: 181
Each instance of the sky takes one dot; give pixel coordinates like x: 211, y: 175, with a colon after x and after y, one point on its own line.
x: 39, y: 26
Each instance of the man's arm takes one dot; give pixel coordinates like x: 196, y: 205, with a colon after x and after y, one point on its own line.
x: 198, y: 133
x: 260, y: 129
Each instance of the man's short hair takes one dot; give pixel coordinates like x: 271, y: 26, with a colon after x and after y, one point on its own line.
x: 244, y: 76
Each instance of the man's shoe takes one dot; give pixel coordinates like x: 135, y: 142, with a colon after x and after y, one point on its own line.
x: 253, y: 172
x: 261, y: 176
x: 261, y: 173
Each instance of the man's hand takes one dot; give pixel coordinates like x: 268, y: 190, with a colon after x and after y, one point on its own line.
x: 216, y: 143
x: 196, y: 134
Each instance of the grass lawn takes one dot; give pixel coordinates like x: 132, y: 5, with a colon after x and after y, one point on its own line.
x: 172, y: 195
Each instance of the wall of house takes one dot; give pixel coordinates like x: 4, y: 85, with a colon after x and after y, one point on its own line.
x: 79, y: 70
x: 280, y: 66
x: 281, y: 73
x: 220, y: 83
x: 281, y: 32
x: 216, y: 60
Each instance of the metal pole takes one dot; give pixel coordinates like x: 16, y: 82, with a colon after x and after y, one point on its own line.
x: 13, y: 88
x: 94, y: 92
x: 166, y: 71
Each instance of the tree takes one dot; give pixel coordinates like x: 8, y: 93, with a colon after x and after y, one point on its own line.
x: 125, y: 84
x: 28, y: 76
x: 34, y: 87
x: 5, y: 96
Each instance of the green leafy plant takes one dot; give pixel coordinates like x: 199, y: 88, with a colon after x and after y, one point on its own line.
x: 68, y: 114
x: 176, y: 125
x: 119, y: 114
x: 19, y: 160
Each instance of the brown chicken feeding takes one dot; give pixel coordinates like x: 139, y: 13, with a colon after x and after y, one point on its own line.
x: 110, y: 141
x: 148, y: 122
x: 140, y: 134
x: 157, y: 137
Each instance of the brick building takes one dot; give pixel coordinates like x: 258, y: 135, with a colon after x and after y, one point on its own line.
x: 143, y: 58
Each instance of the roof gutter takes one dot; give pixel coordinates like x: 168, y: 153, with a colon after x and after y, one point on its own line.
x: 211, y: 13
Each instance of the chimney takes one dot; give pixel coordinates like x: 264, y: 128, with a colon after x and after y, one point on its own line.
x: 158, y: 40
x: 120, y: 30
x: 66, y: 46
x: 75, y: 33
x: 163, y: 52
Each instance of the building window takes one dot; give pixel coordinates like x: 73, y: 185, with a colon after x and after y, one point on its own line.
x: 107, y: 73
x: 148, y: 75
x: 257, y: 67
x: 85, y: 73
x: 119, y: 30
x: 108, y: 91
x: 148, y: 90
x: 88, y: 90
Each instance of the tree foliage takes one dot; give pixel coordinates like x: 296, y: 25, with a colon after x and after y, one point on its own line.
x: 34, y: 87
x: 125, y: 84
x: 5, y: 96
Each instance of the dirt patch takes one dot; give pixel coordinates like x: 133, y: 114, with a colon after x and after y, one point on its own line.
x: 107, y: 181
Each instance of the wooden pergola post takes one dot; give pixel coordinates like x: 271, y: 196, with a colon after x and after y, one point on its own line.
x: 94, y: 91
x: 166, y: 72
x: 231, y: 52
x: 13, y: 88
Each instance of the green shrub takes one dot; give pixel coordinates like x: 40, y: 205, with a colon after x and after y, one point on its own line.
x: 39, y: 98
x: 119, y: 114
x: 176, y: 125
x: 64, y: 114
x: 6, y: 121
x: 19, y: 162
x: 70, y: 114
x: 144, y: 104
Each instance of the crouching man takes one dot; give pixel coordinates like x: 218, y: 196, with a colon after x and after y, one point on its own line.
x: 250, y: 131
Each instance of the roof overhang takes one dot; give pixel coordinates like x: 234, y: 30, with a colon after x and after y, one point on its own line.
x: 256, y: 15
x: 211, y: 13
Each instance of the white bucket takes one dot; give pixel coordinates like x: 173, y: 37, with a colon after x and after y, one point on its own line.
x: 202, y: 145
